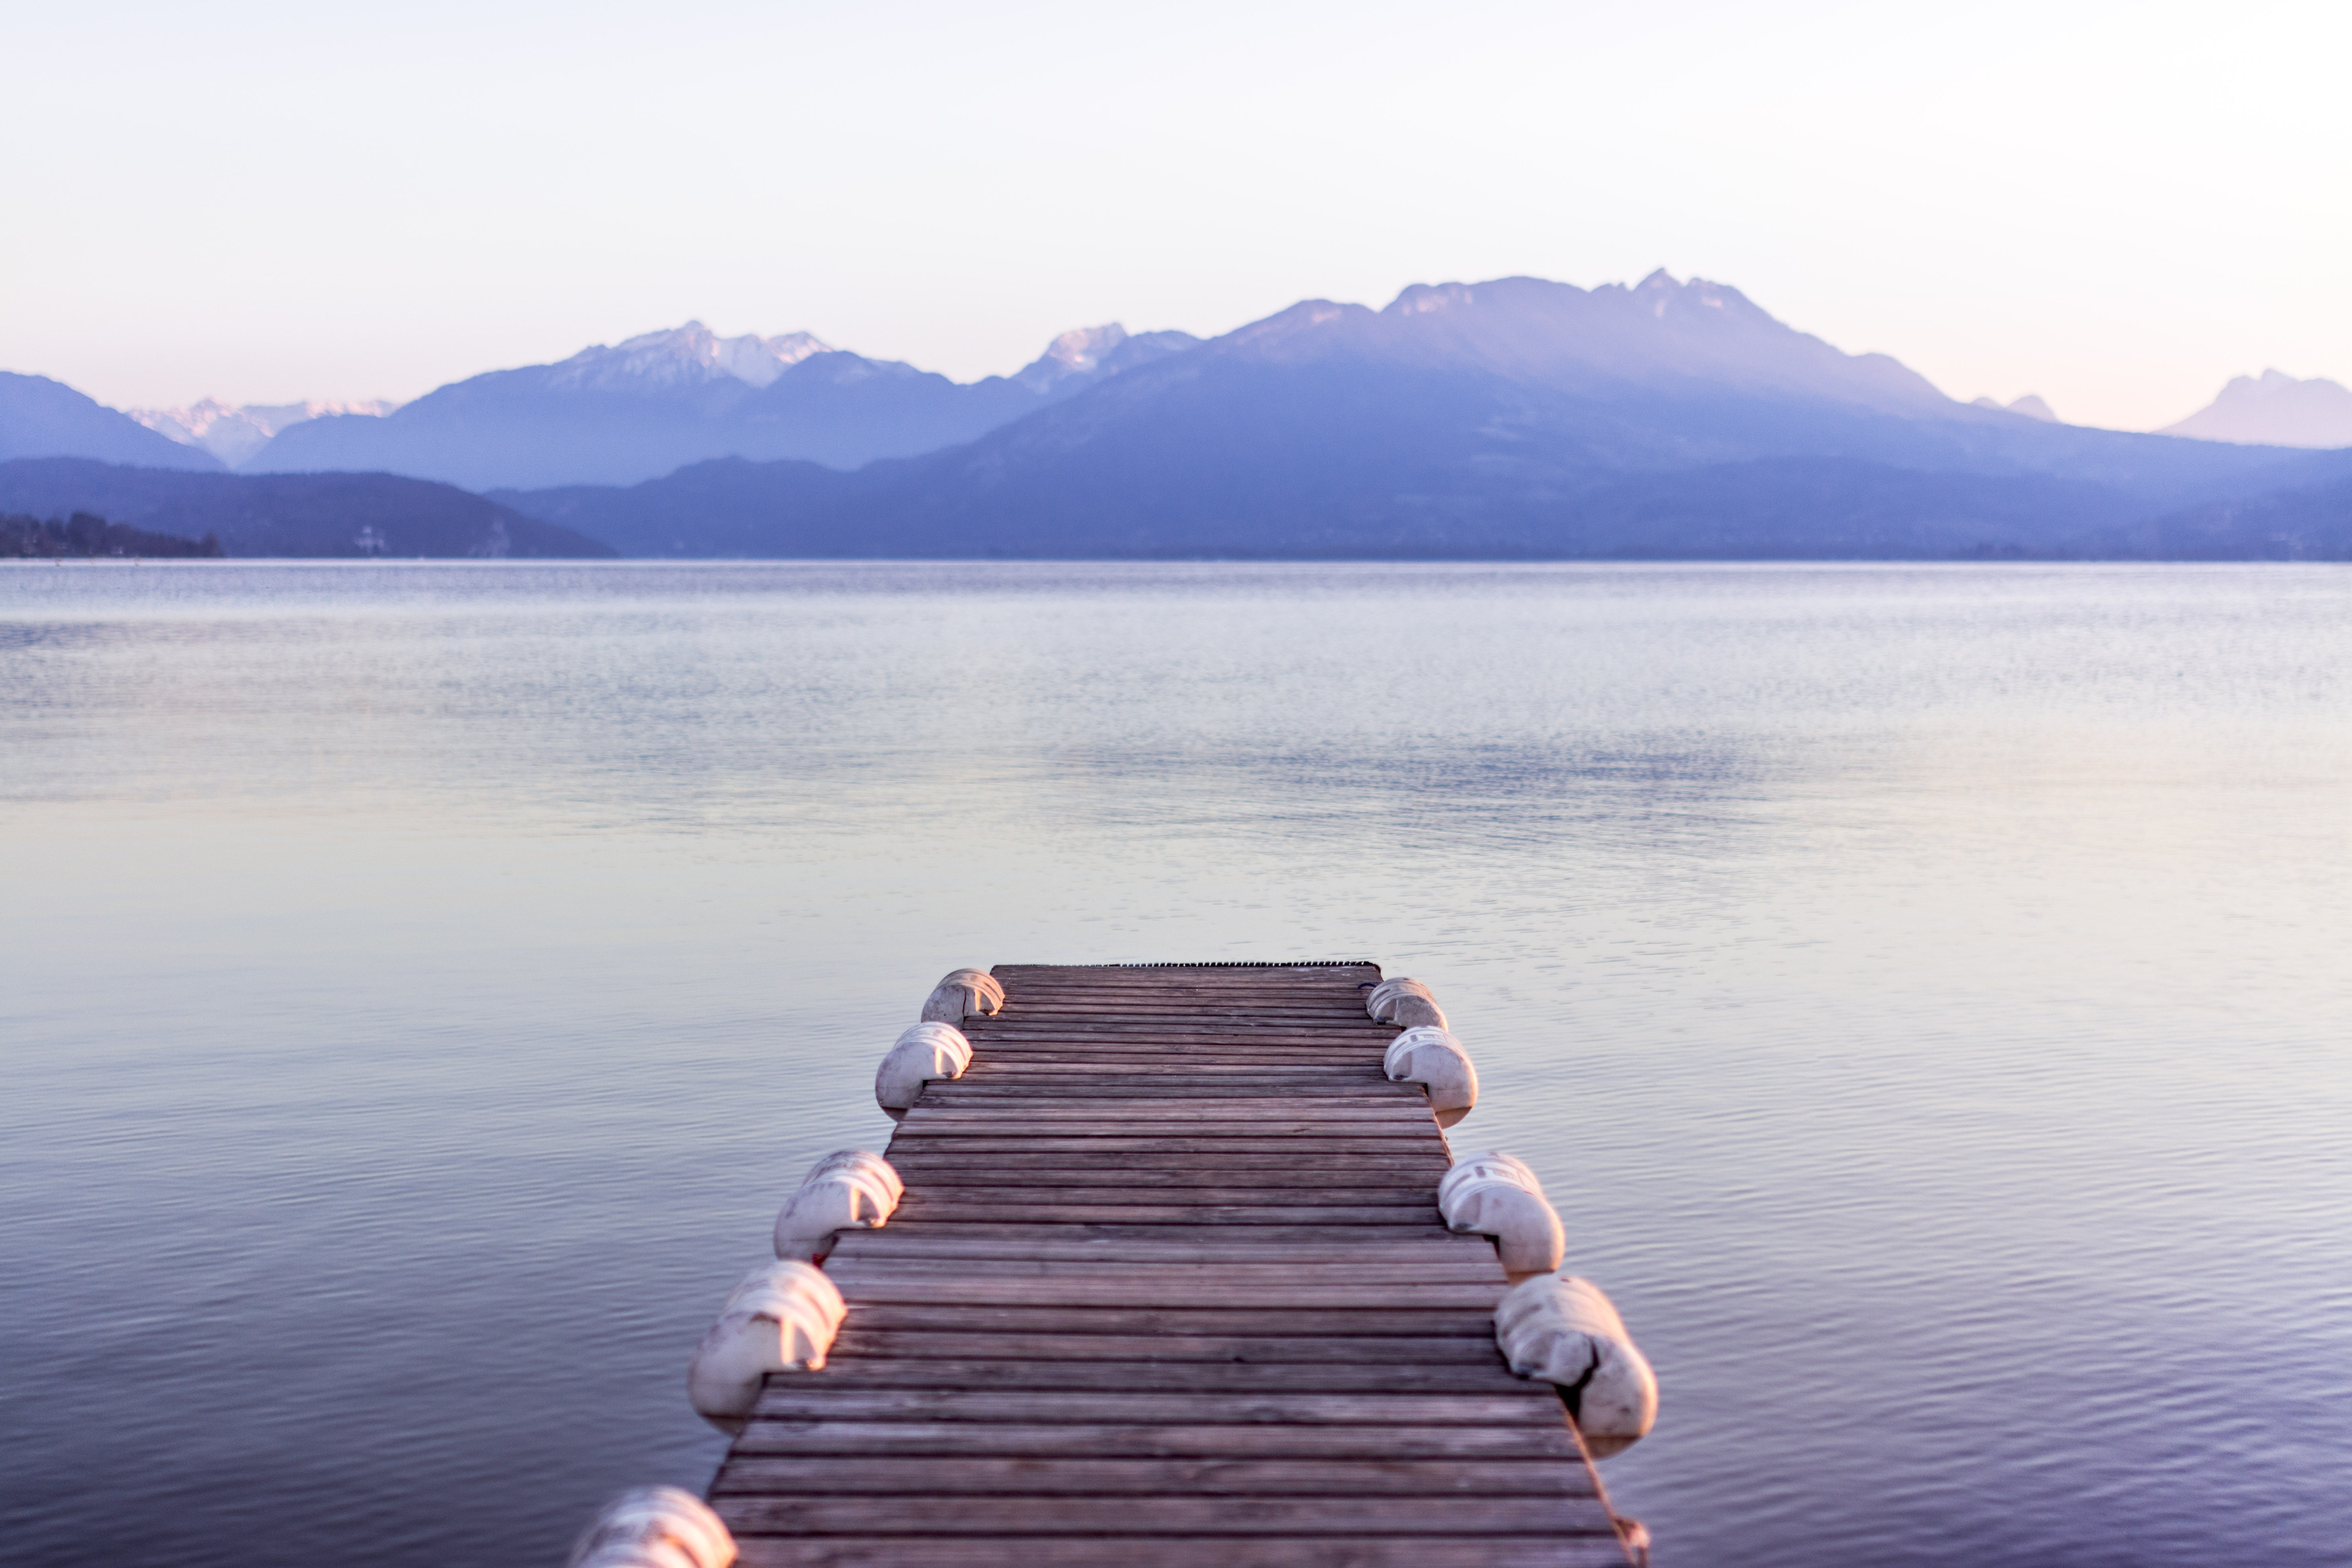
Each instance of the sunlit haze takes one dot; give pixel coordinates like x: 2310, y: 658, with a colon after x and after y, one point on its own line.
x: 2115, y: 207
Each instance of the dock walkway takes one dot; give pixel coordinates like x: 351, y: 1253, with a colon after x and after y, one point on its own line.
x: 1168, y: 1285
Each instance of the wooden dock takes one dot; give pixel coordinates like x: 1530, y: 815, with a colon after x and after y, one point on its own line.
x: 1168, y: 1285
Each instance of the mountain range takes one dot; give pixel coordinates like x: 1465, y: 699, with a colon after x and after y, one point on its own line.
x: 650, y: 404
x: 1517, y: 418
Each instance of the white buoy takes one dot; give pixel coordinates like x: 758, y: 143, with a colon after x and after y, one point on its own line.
x: 1428, y: 1056
x: 964, y: 994
x: 782, y: 1317
x: 1494, y: 1195
x: 1406, y: 1002
x: 655, y: 1527
x: 1564, y: 1331
x: 925, y: 1052
x: 850, y: 1189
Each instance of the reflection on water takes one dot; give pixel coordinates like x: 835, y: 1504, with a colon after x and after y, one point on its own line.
x: 1921, y: 989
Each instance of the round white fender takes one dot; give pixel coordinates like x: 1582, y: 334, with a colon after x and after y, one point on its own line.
x: 782, y: 1317
x: 965, y: 992
x: 1406, y: 1002
x: 1429, y: 1056
x: 1494, y: 1195
x: 850, y: 1189
x: 1563, y: 1329
x: 655, y: 1527
x: 926, y: 1051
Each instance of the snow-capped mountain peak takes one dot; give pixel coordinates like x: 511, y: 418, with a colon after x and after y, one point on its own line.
x: 684, y: 356
x: 234, y: 432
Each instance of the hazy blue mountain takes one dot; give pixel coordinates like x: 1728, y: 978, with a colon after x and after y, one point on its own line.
x: 306, y: 515
x: 2313, y: 523
x: 234, y: 432
x: 647, y: 406
x: 2274, y: 409
x: 1516, y: 418
x: 2031, y: 405
x: 44, y: 418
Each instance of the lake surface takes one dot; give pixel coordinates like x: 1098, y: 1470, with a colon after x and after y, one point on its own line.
x: 1924, y: 991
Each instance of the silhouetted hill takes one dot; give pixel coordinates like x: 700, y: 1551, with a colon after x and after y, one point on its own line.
x: 645, y: 407
x: 83, y: 536
x: 306, y: 515
x: 1519, y: 418
x: 44, y: 418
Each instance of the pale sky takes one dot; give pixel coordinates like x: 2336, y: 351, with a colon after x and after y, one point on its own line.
x: 2118, y: 206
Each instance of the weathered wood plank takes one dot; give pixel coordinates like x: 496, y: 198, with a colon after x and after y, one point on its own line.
x: 956, y: 1476
x: 1189, y: 1377
x: 811, y: 1396
x: 1179, y: 1552
x: 1371, y: 1273
x: 956, y: 1177
x: 1341, y: 1193
x: 939, y: 1211
x: 1220, y: 1143
x: 1114, y: 1518
x: 1430, y: 1159
x: 1158, y: 1235
x: 1014, y: 1104
x: 1260, y: 1350
x: 888, y: 1286
x: 1312, y: 1130
x: 777, y: 1436
x: 1476, y: 1324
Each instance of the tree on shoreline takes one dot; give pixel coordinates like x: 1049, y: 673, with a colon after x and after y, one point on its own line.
x: 85, y: 536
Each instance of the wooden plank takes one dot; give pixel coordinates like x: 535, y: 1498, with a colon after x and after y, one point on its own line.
x: 948, y: 1154
x: 1374, y: 1273
x: 1413, y: 1321
x: 1306, y: 1131
x: 1222, y: 1144
x: 778, y: 1437
x: 1414, y: 1248
x: 1177, y: 1551
x: 980, y: 1089
x: 939, y: 1211
x: 1159, y: 1235
x: 1193, y: 1377
x: 1165, y: 1193
x: 1255, y: 1111
x: 1113, y: 1517
x: 886, y: 1286
x: 1258, y: 1350
x: 811, y: 1396
x: 957, y: 1475
x: 948, y: 1177
x: 1345, y: 1194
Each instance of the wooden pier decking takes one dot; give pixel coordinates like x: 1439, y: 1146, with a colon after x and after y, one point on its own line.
x: 1168, y: 1285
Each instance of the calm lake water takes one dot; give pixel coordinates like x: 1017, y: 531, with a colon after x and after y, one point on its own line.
x: 1924, y: 992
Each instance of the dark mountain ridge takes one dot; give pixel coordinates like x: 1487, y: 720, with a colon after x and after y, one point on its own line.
x: 315, y: 516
